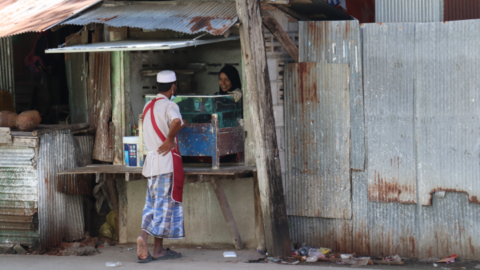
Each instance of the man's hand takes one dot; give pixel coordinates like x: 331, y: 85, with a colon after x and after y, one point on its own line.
x: 166, y: 147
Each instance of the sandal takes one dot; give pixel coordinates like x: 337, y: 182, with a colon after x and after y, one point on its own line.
x: 148, y: 259
x: 169, y: 256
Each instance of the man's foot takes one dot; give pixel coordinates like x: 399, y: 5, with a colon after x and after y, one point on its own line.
x: 142, y: 250
x: 158, y: 254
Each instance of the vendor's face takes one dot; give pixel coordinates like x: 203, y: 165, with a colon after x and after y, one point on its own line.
x: 224, y: 82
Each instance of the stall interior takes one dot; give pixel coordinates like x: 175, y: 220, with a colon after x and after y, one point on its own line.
x: 60, y: 86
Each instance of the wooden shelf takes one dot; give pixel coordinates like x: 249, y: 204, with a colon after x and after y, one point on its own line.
x: 232, y: 171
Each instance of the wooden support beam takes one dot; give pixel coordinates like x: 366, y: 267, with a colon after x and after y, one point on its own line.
x: 227, y: 213
x: 259, y: 225
x: 276, y: 29
x: 292, y: 13
x: 260, y: 105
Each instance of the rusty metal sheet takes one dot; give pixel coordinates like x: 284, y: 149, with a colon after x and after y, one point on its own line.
x: 339, y: 42
x: 60, y: 215
x: 447, y: 108
x: 18, y: 17
x: 317, y: 131
x: 455, y: 10
x: 18, y: 196
x: 190, y: 18
x: 81, y: 156
x: 389, y: 110
x: 408, y: 11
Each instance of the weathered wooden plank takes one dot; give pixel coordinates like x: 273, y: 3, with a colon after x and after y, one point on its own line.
x: 119, y: 169
x: 118, y: 110
x: 261, y: 114
x: 47, y: 129
x: 103, y: 150
x: 25, y: 141
x: 5, y: 135
x: 227, y: 213
x: 277, y: 30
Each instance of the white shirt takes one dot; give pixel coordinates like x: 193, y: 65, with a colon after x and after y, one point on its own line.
x: 165, y: 111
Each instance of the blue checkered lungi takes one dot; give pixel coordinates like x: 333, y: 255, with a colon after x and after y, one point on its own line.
x: 162, y: 216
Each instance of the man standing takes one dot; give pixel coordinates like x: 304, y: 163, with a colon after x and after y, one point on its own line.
x: 163, y: 212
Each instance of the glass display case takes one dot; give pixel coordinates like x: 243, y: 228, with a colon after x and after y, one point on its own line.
x: 199, y: 109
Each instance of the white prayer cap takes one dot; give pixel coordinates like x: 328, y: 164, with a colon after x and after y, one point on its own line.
x: 166, y: 76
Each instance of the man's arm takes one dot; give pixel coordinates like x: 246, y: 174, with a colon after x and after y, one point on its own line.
x: 169, y: 143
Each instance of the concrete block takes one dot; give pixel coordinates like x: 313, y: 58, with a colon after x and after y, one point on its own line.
x: 281, y: 138
x: 278, y: 115
x: 282, y: 161
x: 275, y: 92
x: 272, y: 68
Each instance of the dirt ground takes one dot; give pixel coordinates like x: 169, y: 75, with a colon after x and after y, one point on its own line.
x: 197, y: 258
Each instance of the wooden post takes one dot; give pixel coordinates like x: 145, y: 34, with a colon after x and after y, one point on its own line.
x: 120, y: 69
x: 259, y: 225
x: 227, y: 213
x: 276, y: 29
x: 277, y: 237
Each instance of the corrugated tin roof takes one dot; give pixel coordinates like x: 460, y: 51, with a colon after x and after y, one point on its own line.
x: 18, y: 17
x: 212, y: 17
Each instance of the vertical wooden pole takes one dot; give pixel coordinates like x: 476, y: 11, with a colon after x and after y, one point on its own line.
x: 118, y: 105
x: 275, y: 219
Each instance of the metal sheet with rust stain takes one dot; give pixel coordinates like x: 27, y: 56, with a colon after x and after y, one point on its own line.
x: 317, y: 131
x: 18, y: 195
x: 81, y: 153
x: 388, y: 51
x: 190, y: 18
x: 338, y: 42
x: 447, y: 108
x: 60, y: 215
x: 30, y: 16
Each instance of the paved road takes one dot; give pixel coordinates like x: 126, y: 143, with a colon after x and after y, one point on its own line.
x: 193, y: 258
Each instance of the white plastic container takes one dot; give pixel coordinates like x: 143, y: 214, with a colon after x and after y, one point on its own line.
x: 130, y: 144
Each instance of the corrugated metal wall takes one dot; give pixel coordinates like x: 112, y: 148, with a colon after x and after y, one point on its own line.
x: 317, y: 131
x: 7, y: 79
x: 18, y: 195
x: 389, y: 106
x: 60, y: 215
x: 408, y: 11
x: 339, y: 42
x: 421, y: 112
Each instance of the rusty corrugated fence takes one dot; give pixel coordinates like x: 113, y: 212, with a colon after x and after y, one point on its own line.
x: 339, y: 42
x: 418, y: 195
x: 317, y: 134
x: 60, y: 215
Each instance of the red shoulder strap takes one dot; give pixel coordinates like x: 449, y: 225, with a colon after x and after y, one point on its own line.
x: 150, y: 107
x: 152, y: 116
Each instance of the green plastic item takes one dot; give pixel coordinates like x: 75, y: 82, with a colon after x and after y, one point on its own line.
x: 106, y: 231
x: 111, y: 219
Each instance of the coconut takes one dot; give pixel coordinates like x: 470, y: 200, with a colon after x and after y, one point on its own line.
x: 8, y: 119
x: 28, y: 120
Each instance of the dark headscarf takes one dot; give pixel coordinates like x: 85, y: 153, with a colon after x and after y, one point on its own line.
x: 233, y: 76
